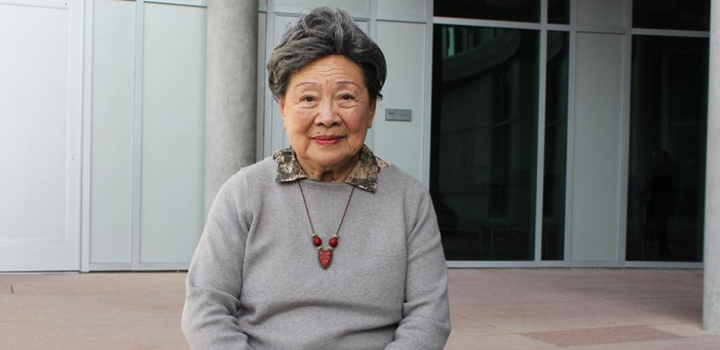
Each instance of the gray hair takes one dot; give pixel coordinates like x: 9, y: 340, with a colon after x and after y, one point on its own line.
x: 322, y: 32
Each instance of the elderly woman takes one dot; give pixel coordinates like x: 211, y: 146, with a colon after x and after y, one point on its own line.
x: 324, y: 245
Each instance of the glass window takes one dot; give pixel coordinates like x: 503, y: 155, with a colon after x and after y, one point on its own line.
x: 484, y: 137
x: 683, y: 15
x: 501, y: 10
x: 667, y: 149
x: 559, y: 11
x: 556, y: 112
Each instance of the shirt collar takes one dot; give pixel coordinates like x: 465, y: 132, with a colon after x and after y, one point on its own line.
x: 364, y: 175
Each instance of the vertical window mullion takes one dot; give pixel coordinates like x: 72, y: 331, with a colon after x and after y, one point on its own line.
x: 569, y: 172
x: 540, y: 158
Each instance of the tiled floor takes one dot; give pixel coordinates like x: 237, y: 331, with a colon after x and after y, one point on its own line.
x: 491, y: 309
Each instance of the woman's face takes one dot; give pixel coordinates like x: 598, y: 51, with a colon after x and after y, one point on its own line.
x: 326, y: 112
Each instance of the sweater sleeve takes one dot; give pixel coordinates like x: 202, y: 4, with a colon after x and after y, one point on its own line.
x: 426, y: 313
x: 214, y: 280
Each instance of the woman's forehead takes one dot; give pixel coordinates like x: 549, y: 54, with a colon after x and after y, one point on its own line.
x: 331, y: 69
x: 310, y: 83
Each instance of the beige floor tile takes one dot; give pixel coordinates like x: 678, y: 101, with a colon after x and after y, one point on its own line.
x: 508, y: 293
x: 695, y: 343
x: 463, y: 326
x: 92, y: 334
x: 498, y: 311
x: 496, y: 342
x: 582, y: 315
x: 683, y: 309
x: 77, y: 284
x: 37, y: 308
x: 601, y: 336
x: 683, y: 329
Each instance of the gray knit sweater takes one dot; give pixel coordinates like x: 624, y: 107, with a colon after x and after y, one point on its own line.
x: 255, y: 281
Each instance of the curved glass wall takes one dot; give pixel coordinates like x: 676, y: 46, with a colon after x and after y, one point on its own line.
x: 500, y: 10
x: 667, y: 149
x: 485, y: 131
x: 682, y: 15
x: 484, y: 137
x: 559, y: 11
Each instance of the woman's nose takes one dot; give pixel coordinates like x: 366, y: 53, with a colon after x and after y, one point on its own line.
x: 327, y: 116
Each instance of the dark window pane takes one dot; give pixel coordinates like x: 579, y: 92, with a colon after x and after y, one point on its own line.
x: 484, y: 137
x: 559, y: 11
x: 501, y: 10
x: 684, y: 15
x: 667, y: 149
x: 553, y: 225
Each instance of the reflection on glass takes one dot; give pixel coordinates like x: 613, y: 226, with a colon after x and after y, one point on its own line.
x: 483, y: 155
x: 553, y: 224
x: 683, y: 15
x: 501, y: 10
x: 559, y: 11
x: 667, y: 149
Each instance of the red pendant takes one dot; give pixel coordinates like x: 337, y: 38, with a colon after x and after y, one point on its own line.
x: 325, y: 258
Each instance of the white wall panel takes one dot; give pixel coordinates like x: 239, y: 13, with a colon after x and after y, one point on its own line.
x: 40, y: 136
x: 348, y: 5
x: 173, y: 132
x: 597, y: 148
x: 403, y: 7
x: 112, y: 132
x: 600, y: 12
x: 33, y: 122
x: 401, y: 142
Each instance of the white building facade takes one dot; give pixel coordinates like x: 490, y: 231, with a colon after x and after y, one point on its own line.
x: 550, y: 133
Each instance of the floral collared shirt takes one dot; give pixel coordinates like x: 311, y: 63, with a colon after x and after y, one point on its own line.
x: 364, y: 175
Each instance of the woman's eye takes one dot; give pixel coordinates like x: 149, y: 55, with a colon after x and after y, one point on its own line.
x: 346, y: 97
x: 307, y: 98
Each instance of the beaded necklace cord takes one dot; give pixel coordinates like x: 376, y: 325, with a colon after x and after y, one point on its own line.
x: 325, y: 255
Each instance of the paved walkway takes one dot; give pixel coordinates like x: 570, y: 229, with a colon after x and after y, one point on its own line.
x: 491, y: 309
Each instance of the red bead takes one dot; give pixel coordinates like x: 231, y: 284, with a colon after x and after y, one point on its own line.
x: 317, y: 241
x: 334, y: 242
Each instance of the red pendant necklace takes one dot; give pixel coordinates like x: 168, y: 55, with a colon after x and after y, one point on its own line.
x: 325, y: 255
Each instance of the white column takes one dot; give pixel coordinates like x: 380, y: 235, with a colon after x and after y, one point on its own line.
x: 232, y: 35
x: 711, y: 304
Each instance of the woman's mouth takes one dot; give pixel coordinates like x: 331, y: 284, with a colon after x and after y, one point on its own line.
x: 327, y: 140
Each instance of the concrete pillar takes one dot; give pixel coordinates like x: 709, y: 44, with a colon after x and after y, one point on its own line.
x: 231, y: 96
x: 711, y: 303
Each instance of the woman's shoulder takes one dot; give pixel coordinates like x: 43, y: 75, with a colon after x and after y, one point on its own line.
x: 402, y: 190
x: 392, y: 179
x: 259, y: 172
x: 264, y: 169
